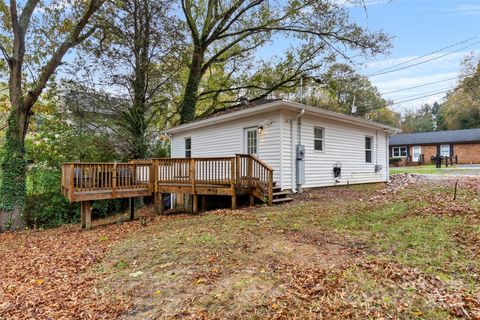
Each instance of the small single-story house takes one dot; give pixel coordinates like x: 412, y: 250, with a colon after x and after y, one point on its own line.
x: 465, y: 144
x: 303, y: 144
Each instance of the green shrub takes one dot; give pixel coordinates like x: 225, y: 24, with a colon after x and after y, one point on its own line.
x: 395, y: 160
x: 47, y: 210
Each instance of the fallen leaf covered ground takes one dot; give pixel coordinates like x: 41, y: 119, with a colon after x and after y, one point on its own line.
x: 402, y: 251
x: 45, y: 274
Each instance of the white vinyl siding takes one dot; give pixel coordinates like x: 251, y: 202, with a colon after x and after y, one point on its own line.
x: 227, y: 139
x: 342, y: 142
x: 345, y: 143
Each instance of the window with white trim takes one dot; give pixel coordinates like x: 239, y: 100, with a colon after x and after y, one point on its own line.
x: 399, y: 151
x: 188, y: 147
x: 445, y: 150
x: 368, y: 149
x: 252, y: 141
x: 318, y: 138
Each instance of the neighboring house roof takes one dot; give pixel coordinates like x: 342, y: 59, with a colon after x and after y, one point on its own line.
x: 435, y: 137
x: 251, y: 108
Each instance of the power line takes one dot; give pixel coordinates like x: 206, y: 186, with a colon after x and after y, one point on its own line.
x: 428, y: 54
x: 422, y: 62
x: 423, y: 85
x: 420, y: 97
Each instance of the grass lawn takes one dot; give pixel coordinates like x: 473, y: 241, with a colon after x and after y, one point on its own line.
x: 425, y: 169
x: 334, y: 253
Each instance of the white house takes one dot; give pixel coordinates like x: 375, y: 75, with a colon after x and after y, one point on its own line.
x: 273, y: 130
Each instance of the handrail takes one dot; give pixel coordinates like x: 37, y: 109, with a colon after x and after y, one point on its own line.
x: 239, y: 171
x: 263, y: 163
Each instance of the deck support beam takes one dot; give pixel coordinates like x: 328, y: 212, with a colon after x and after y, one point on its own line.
x: 195, y: 203
x: 251, y: 199
x: 86, y: 214
x: 132, y: 208
x: 158, y: 202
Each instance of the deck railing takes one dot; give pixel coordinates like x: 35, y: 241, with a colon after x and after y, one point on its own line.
x: 238, y: 171
x: 104, y: 177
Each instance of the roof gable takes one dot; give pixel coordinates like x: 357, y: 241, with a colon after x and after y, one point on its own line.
x: 251, y: 110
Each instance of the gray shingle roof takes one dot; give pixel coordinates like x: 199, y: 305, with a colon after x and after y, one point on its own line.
x: 452, y: 136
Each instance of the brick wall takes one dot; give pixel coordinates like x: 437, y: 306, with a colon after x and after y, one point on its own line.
x: 467, y: 153
x: 428, y: 152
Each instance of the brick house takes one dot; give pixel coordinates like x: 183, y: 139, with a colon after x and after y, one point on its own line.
x: 465, y: 144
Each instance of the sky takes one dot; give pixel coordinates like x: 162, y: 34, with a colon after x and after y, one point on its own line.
x: 421, y: 27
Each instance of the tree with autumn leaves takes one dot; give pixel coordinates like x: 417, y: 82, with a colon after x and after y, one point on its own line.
x: 173, y: 60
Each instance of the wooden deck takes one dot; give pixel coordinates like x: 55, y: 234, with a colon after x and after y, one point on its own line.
x: 230, y: 176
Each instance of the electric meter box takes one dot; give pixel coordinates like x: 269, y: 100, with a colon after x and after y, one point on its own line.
x: 300, y: 152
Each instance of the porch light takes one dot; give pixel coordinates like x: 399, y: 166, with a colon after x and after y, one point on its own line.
x: 260, y: 129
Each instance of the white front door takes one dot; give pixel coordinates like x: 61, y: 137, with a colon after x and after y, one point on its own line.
x: 417, y: 151
x: 251, y: 141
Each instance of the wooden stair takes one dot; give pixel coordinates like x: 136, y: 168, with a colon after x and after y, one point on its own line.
x: 280, y: 196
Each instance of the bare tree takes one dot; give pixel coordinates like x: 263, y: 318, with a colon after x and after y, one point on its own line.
x: 225, y: 31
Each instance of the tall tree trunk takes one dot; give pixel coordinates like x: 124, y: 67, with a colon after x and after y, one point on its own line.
x: 14, y: 169
x: 189, y: 105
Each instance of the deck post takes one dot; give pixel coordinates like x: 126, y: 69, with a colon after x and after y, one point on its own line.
x: 161, y: 201
x: 72, y: 182
x: 132, y: 208
x: 238, y: 176
x: 232, y: 183
x: 250, y: 171
x: 114, y: 181
x: 195, y: 203
x: 156, y: 203
x: 86, y: 214
x: 250, y: 182
x: 193, y: 183
x: 270, y: 187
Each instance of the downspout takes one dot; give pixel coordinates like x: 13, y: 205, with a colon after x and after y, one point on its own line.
x: 299, y: 134
x: 387, y: 148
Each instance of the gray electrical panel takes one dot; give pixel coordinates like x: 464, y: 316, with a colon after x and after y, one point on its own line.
x: 300, y: 171
x: 300, y: 152
x: 300, y: 164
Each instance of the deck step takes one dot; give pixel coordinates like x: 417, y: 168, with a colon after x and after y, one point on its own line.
x: 282, y: 200
x: 280, y: 193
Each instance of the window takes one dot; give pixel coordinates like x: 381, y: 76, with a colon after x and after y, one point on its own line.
x: 188, y: 147
x: 318, y: 138
x: 399, y: 151
x: 445, y: 150
x: 251, y: 141
x: 368, y: 149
